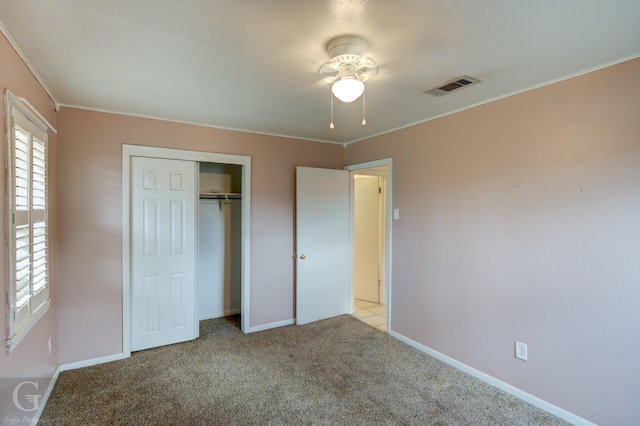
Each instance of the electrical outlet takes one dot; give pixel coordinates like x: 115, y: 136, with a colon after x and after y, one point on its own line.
x: 521, y: 351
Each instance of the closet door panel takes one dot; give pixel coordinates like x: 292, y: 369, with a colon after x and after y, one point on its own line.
x: 163, y: 229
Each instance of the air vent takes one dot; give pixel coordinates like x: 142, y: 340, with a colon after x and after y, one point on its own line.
x: 453, y: 85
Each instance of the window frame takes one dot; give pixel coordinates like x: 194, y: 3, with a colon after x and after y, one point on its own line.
x: 23, y: 314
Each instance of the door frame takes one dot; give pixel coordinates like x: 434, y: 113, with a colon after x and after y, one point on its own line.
x: 386, y: 235
x: 129, y: 151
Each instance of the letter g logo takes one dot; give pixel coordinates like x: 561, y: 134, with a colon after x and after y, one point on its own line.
x: 33, y: 399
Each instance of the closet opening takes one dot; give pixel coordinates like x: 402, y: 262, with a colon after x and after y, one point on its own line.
x: 219, y: 249
x: 215, y: 278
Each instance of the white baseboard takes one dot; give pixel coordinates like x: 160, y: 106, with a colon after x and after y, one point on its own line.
x: 271, y: 325
x: 518, y: 393
x: 45, y: 397
x: 90, y: 362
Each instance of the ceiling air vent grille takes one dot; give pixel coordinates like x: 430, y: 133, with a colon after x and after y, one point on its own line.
x: 453, y: 85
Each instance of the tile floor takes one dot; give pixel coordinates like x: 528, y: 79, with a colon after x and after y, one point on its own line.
x: 371, y: 313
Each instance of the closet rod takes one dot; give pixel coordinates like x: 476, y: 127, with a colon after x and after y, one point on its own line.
x: 221, y: 196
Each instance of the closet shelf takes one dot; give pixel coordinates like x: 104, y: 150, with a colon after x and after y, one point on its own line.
x: 220, y: 196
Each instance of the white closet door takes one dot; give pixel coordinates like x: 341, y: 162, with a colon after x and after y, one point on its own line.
x: 322, y: 243
x: 163, y: 291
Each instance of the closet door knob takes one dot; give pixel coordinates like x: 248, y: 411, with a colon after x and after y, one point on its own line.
x: 303, y: 257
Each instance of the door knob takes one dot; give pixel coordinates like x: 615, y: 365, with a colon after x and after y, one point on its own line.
x: 303, y: 257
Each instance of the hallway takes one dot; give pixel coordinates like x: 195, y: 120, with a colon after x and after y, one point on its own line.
x: 371, y: 313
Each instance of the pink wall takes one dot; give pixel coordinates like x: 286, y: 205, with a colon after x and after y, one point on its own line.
x: 520, y: 220
x: 90, y: 218
x: 30, y: 359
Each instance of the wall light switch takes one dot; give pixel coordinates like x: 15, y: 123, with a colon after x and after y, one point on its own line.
x: 396, y: 214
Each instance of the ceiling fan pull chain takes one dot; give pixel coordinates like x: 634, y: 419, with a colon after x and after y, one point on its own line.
x: 364, y: 103
x: 331, y: 126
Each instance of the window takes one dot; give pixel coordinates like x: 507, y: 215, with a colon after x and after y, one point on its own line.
x: 27, y: 217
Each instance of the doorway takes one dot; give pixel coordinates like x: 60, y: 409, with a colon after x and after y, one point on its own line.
x: 371, y: 235
x: 219, y: 240
x: 129, y: 152
x: 367, y: 206
x: 317, y: 192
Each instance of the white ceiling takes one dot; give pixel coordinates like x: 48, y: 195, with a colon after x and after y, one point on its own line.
x: 252, y: 65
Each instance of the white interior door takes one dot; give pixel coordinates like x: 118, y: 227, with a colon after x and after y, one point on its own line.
x: 163, y: 198
x: 366, y: 238
x: 322, y: 244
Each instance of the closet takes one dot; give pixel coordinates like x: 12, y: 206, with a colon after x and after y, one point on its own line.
x: 219, y: 240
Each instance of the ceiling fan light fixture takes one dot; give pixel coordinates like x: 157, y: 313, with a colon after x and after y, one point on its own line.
x: 347, y: 89
x: 347, y: 69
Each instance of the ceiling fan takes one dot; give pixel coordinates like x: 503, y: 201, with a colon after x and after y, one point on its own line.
x: 347, y: 70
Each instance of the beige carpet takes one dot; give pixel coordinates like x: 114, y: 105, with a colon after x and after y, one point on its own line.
x: 334, y: 372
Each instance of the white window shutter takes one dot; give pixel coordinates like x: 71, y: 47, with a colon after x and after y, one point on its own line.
x: 27, y: 230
